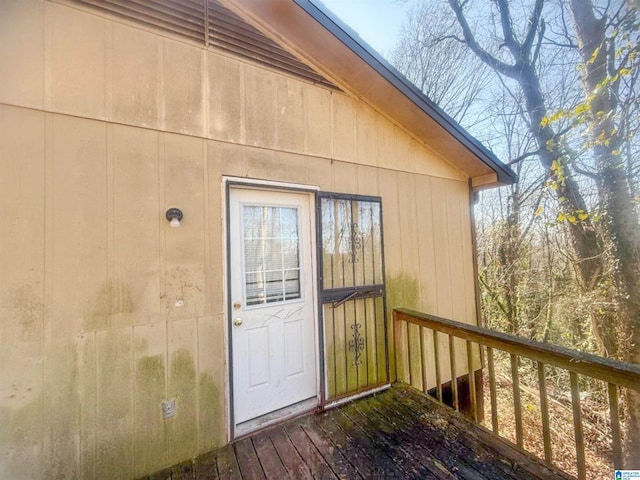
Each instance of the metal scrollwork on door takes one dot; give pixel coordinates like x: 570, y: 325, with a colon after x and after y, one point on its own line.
x: 356, y: 345
x: 352, y: 293
x: 356, y: 242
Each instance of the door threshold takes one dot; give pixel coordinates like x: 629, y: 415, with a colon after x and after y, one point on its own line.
x: 350, y: 398
x: 277, y: 416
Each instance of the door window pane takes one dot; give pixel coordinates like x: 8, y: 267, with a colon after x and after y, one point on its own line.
x: 271, y: 254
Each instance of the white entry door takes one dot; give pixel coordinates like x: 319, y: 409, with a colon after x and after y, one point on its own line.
x: 273, y: 331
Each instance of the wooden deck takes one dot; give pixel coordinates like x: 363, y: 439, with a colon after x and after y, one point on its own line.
x: 399, y: 433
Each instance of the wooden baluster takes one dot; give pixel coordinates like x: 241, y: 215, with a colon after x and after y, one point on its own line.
x: 615, y: 427
x: 577, y: 425
x: 398, y: 342
x: 454, y: 379
x: 517, y: 405
x: 436, y: 362
x: 544, y: 410
x: 613, y: 373
x: 423, y: 362
x: 492, y: 391
x: 472, y: 383
x: 409, y: 353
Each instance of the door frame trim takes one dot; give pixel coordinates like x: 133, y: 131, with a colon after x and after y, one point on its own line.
x: 229, y: 182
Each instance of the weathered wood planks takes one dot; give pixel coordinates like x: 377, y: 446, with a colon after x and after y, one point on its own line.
x: 400, y: 433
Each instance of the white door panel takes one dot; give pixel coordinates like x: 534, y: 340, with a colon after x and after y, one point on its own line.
x: 273, y: 337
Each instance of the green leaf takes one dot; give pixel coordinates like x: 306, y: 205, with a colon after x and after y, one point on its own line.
x: 594, y: 55
x: 580, y: 109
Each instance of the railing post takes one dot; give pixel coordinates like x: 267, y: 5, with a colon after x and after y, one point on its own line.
x: 423, y: 363
x: 616, y: 444
x: 577, y: 425
x: 544, y: 410
x: 436, y: 362
x: 492, y: 391
x: 472, y: 383
x: 454, y: 378
x: 397, y: 341
x: 517, y: 405
x: 408, y: 342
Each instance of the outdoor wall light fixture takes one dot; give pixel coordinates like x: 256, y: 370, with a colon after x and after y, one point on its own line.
x: 174, y: 215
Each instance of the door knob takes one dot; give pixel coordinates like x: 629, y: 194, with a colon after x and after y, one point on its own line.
x: 237, y: 322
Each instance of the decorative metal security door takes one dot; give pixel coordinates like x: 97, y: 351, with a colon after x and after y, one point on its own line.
x: 351, y: 265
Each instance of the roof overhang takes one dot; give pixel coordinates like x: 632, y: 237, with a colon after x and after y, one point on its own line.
x: 317, y: 37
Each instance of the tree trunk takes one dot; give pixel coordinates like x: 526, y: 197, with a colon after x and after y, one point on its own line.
x: 620, y: 222
x: 583, y: 236
x: 619, y: 217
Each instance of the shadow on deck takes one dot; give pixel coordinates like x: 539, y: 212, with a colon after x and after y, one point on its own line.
x: 399, y: 433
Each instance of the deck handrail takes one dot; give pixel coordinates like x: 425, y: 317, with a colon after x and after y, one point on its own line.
x: 606, y: 369
x: 613, y: 372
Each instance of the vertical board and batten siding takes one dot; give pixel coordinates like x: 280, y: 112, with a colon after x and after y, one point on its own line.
x: 100, y: 132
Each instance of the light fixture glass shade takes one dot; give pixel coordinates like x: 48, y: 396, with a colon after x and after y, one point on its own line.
x: 174, y: 215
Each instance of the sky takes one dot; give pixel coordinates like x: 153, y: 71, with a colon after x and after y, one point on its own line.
x: 377, y: 22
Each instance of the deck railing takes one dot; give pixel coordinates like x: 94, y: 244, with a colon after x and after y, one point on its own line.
x: 614, y: 373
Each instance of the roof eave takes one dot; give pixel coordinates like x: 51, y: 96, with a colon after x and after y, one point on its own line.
x: 317, y: 37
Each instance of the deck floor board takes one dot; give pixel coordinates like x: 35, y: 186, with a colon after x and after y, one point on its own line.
x: 309, y: 453
x: 365, y: 462
x: 207, y: 467
x: 399, y: 433
x: 333, y: 456
x: 470, y: 455
x: 269, y: 459
x: 386, y: 434
x: 228, y: 468
x: 248, y: 461
x: 384, y: 462
x: 291, y: 459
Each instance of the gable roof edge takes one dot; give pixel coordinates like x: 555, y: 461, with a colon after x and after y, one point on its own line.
x: 352, y: 40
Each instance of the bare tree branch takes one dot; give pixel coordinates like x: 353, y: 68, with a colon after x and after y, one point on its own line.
x: 510, y: 41
x: 486, y: 57
x: 536, y: 53
x: 523, y: 157
x: 533, y: 26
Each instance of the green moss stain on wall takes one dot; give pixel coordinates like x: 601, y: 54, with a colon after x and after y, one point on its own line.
x: 21, y: 441
x: 115, y: 419
x: 99, y: 411
x: 25, y: 306
x: 62, y: 403
x: 21, y: 401
x: 183, y: 428
x: 150, y: 436
x: 150, y: 374
x: 112, y: 307
x: 212, y: 418
x: 402, y: 291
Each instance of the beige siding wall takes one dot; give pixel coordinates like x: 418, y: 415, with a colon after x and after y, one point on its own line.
x: 103, y: 126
